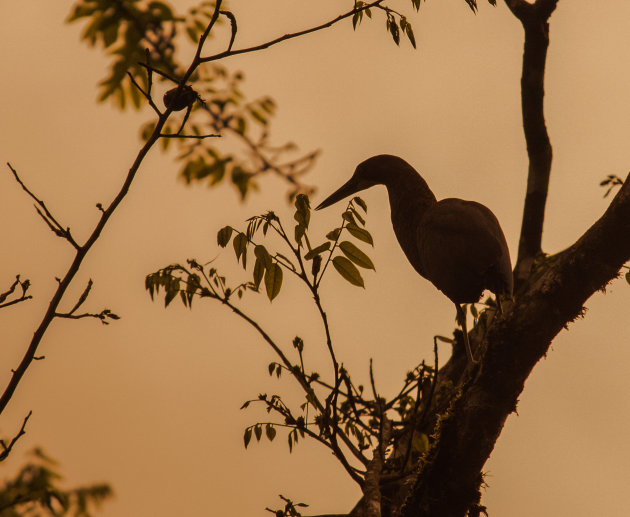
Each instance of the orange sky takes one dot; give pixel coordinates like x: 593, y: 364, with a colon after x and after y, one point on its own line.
x: 151, y: 403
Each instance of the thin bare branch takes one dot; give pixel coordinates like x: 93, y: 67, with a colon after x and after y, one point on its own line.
x: 44, y: 213
x: 197, y: 137
x: 146, y: 95
x: 23, y: 297
x: 262, y: 46
x: 233, y: 26
x: 6, y: 449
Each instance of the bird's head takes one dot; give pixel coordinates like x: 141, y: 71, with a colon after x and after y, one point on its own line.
x: 378, y: 170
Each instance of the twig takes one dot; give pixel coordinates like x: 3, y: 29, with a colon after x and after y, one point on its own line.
x: 83, y: 296
x: 427, y: 403
x: 44, y: 213
x: 286, y: 37
x: 6, y: 449
x: 23, y: 297
x: 146, y: 95
x: 233, y: 26
x: 198, y: 137
x: 305, y: 386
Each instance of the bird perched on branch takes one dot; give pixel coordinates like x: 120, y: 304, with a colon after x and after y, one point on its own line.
x: 457, y: 245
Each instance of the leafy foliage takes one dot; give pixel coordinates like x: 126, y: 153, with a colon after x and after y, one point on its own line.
x: 137, y: 35
x: 336, y: 413
x: 269, y: 267
x: 35, y: 491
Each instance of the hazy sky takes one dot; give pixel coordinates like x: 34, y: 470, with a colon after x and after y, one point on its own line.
x: 151, y: 403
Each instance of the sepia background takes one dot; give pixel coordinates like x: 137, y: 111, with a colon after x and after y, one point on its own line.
x: 151, y: 403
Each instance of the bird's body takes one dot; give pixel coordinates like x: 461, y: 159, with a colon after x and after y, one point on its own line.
x: 457, y: 245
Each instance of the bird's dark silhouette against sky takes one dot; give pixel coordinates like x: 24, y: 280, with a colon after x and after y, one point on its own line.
x: 458, y: 245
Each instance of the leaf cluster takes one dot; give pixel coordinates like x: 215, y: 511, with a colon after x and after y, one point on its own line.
x: 337, y: 413
x: 139, y: 35
x: 35, y: 491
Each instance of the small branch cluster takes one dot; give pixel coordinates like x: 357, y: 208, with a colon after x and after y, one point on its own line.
x: 23, y: 285
x: 290, y: 508
x: 55, y: 226
x: 35, y: 490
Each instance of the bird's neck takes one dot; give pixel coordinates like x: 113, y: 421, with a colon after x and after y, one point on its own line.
x: 409, y: 195
x: 409, y: 199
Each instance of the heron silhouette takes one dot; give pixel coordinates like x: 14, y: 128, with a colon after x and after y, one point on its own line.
x: 457, y: 245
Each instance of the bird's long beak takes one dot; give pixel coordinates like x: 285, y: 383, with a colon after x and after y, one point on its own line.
x: 352, y: 186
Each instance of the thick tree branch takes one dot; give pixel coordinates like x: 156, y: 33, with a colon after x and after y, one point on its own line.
x: 535, y: 21
x: 450, y: 475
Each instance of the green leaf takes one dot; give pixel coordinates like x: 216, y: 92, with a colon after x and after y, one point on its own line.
x: 361, y: 203
x: 261, y: 253
x: 360, y: 233
x: 273, y: 280
x: 192, y: 285
x: 317, y: 264
x: 247, y: 436
x: 241, y: 125
x: 358, y: 216
x: 300, y: 230
x: 356, y: 255
x: 334, y: 234
x: 395, y: 32
x: 348, y: 217
x: 240, y: 245
x: 80, y: 11
x: 110, y: 34
x: 409, y: 32
x: 348, y: 270
x: 224, y: 235
x: 258, y: 432
x: 270, y: 431
x: 171, y: 291
x: 316, y: 251
x: 303, y: 212
x: 259, y: 271
x: 420, y: 442
x: 257, y: 116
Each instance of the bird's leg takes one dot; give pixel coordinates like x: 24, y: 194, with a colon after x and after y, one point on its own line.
x: 462, y: 321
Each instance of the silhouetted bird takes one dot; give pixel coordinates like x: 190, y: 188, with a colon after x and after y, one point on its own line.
x: 458, y: 245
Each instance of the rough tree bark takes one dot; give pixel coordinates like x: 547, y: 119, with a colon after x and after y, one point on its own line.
x: 551, y: 291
